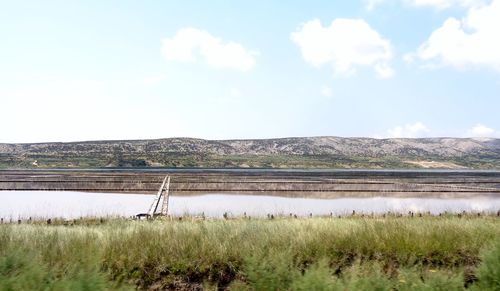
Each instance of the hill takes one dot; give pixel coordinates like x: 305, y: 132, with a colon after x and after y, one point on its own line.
x: 299, y: 152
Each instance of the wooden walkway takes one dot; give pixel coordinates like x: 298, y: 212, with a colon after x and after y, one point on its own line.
x: 162, y: 197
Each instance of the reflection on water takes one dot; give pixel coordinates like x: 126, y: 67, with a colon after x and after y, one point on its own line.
x: 216, y: 205
x: 43, y: 204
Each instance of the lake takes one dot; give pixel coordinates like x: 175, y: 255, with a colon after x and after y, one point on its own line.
x: 47, y: 204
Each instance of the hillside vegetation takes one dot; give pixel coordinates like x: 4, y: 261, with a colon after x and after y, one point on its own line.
x: 307, y: 152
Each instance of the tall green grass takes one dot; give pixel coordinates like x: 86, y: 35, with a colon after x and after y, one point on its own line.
x: 428, y: 253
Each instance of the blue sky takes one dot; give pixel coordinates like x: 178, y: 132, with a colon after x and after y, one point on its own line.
x: 88, y: 70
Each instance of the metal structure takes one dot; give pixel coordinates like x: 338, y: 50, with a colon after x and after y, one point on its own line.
x: 162, y: 198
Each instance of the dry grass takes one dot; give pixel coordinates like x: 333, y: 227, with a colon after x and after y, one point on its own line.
x: 352, y: 253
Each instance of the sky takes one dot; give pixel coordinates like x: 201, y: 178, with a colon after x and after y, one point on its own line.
x: 108, y: 70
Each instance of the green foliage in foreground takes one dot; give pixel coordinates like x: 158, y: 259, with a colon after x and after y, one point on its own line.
x: 429, y: 253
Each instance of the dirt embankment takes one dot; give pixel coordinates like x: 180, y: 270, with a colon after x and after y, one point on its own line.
x: 336, y: 183
x: 436, y: 165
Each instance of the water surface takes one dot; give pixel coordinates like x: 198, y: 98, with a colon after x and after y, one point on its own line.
x: 45, y: 204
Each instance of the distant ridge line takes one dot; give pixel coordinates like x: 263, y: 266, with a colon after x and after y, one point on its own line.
x: 291, y: 152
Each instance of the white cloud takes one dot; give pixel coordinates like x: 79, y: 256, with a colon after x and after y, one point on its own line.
x: 471, y: 42
x: 326, y: 91
x: 443, y: 4
x: 232, y: 97
x: 346, y: 44
x: 480, y: 130
x: 234, y: 92
x: 418, y: 129
x: 438, y: 4
x: 153, y: 80
x: 384, y: 71
x: 190, y: 44
x: 371, y: 4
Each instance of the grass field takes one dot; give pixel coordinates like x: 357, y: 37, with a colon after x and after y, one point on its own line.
x: 392, y: 253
